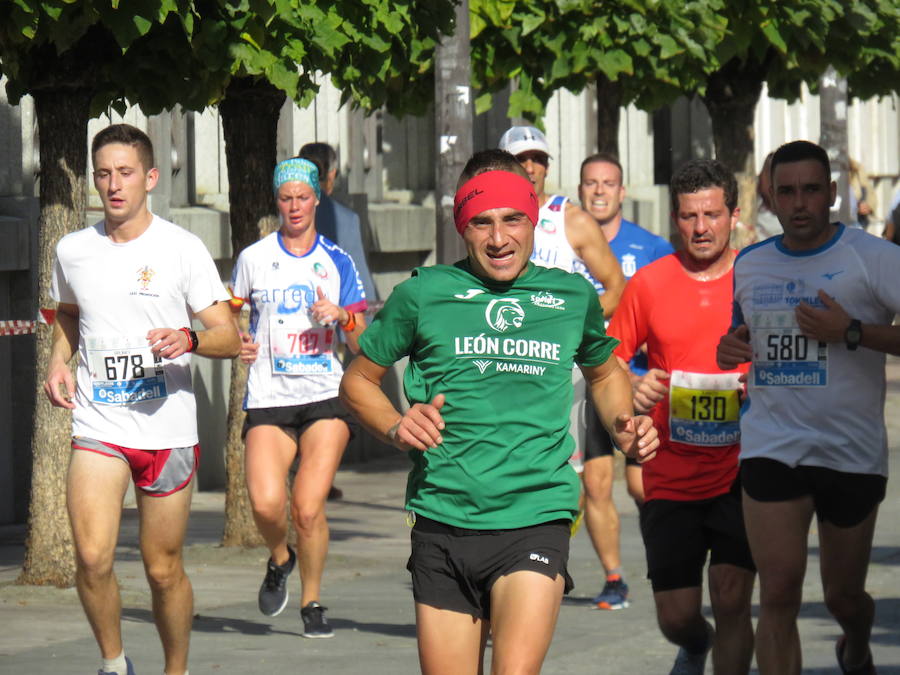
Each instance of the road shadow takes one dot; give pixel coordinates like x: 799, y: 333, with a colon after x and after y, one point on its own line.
x: 217, y: 624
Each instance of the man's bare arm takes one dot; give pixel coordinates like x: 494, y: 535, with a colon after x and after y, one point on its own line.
x: 589, y: 243
x: 611, y: 392
x: 418, y: 428
x: 59, y: 385
x: 218, y: 340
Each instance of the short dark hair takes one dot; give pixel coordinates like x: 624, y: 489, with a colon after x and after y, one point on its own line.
x: 493, y: 159
x: 798, y: 151
x: 702, y: 174
x: 607, y: 157
x: 320, y: 154
x: 126, y: 135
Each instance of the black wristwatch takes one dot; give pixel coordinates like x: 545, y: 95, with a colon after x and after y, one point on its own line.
x: 853, y: 334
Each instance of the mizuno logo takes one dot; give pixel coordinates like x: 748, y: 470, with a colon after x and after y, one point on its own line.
x: 469, y: 294
x: 482, y: 365
x: 832, y: 275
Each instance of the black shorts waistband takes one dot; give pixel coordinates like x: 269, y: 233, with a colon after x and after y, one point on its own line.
x: 429, y: 526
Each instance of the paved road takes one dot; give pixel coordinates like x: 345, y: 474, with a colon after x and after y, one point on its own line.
x: 370, y: 603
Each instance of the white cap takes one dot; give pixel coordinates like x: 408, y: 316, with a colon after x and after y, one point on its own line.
x: 517, y: 140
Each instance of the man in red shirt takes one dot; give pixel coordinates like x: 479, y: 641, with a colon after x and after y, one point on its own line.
x: 679, y: 305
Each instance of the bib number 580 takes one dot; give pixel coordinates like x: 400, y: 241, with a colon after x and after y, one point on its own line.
x: 787, y: 347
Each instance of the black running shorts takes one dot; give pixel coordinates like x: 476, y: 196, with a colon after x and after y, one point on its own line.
x: 296, y: 418
x: 678, y: 536
x: 843, y: 499
x: 455, y: 568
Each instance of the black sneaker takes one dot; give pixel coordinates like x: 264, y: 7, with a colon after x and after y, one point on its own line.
x: 315, y: 625
x: 273, y: 594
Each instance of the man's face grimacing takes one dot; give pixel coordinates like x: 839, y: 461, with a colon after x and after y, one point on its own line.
x: 802, y: 195
x: 601, y: 191
x: 535, y: 164
x: 499, y: 243
x: 704, y: 223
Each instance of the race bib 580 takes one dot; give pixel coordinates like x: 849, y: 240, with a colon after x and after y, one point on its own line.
x: 782, y: 355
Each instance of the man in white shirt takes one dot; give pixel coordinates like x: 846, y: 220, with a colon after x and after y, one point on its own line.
x: 127, y: 290
x: 813, y: 313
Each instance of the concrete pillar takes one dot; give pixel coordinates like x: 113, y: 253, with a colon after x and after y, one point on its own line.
x: 159, y: 129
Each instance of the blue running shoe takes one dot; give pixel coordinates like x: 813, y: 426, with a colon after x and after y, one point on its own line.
x: 614, y: 594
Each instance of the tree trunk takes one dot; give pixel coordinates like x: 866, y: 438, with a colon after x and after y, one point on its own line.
x: 453, y: 115
x: 732, y: 93
x: 249, y: 120
x: 833, y: 116
x: 62, y: 122
x: 609, y: 107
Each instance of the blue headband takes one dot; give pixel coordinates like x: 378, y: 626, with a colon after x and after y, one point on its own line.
x: 297, y: 169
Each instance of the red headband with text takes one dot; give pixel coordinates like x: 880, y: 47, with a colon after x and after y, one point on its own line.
x: 494, y: 190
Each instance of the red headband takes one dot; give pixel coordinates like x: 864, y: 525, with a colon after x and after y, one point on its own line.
x: 493, y: 190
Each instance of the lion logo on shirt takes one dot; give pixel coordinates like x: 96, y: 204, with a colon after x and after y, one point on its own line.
x: 503, y: 313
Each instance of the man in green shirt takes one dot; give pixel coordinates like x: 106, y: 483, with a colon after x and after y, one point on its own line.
x: 491, y: 342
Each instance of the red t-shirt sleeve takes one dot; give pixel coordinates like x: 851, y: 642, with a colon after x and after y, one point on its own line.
x: 629, y: 322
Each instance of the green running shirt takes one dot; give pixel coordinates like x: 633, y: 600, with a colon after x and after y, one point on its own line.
x: 502, y: 354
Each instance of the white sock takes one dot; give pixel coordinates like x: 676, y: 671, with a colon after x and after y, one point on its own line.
x: 116, y: 665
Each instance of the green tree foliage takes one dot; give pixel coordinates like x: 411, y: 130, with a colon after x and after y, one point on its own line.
x: 640, y: 52
x: 113, y: 51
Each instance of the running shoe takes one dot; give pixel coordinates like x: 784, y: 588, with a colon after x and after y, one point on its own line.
x: 129, y: 667
x: 687, y: 663
x: 315, y: 625
x: 273, y: 594
x: 868, y: 668
x: 614, y: 594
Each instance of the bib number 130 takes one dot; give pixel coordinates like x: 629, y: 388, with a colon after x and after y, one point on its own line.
x: 707, y: 408
x: 704, y: 408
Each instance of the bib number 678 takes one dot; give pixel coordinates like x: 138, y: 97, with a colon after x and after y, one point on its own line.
x: 116, y: 363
